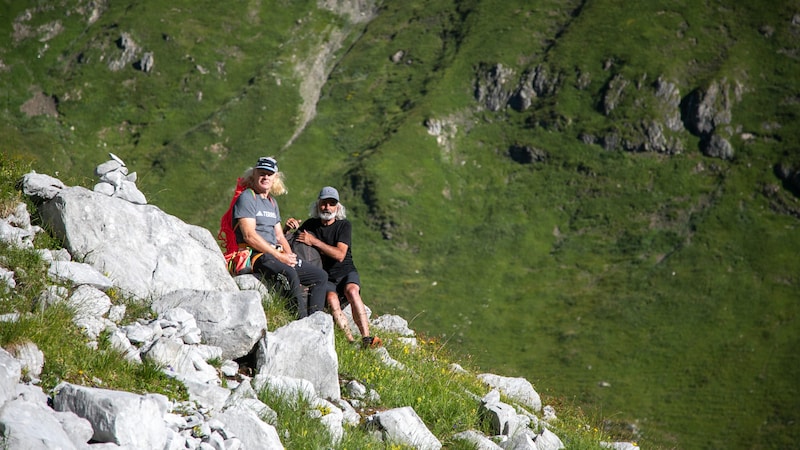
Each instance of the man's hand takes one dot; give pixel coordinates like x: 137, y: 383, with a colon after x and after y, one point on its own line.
x: 292, y: 223
x: 307, y: 238
x: 290, y: 259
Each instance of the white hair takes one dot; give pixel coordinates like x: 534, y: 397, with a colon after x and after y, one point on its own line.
x: 313, y: 211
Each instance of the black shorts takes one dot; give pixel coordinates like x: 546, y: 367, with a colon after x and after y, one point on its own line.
x: 338, y: 285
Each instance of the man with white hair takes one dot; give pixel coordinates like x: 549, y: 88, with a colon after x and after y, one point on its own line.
x: 329, y: 231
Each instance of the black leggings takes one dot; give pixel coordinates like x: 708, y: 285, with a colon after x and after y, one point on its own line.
x: 305, y: 274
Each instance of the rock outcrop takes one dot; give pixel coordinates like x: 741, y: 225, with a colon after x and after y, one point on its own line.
x: 662, y: 123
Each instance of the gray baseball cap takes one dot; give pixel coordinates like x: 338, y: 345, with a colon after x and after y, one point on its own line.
x: 328, y: 192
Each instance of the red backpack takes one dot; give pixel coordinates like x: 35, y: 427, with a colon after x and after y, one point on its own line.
x: 238, y: 259
x: 226, y: 233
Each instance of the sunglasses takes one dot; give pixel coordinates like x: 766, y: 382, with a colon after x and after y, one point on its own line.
x: 329, y: 201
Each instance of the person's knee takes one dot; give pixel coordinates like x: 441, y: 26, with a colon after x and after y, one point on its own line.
x: 352, y: 291
x: 292, y: 276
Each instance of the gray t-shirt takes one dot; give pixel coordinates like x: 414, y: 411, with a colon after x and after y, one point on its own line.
x: 264, y: 210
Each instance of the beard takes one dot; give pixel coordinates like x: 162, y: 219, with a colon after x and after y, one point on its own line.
x: 327, y: 215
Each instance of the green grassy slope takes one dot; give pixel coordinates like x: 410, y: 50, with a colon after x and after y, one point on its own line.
x: 673, y: 279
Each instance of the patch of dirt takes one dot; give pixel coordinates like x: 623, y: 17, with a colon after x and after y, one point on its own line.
x: 313, y: 72
x: 40, y: 104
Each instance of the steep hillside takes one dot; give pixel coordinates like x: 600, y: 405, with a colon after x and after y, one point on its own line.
x: 599, y: 196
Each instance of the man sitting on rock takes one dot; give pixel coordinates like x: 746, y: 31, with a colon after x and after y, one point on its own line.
x: 330, y: 233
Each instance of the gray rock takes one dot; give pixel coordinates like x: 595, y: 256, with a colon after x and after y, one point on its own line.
x: 129, y: 51
x: 78, y: 274
x: 31, y: 360
x: 147, y: 62
x: 476, y: 440
x: 503, y: 417
x: 140, y: 333
x: 128, y: 191
x: 305, y: 349
x: 387, y: 359
x: 233, y: 321
x: 354, y: 389
x: 250, y: 429
x: 112, y: 165
x: 144, y: 251
x: 88, y: 301
x: 286, y: 387
x: 518, y: 389
x: 330, y: 416
x: 710, y: 108
x: 250, y: 282
x: 181, y: 361
x: 229, y: 368
x: 20, y: 218
x: 116, y: 313
x: 49, y: 255
x: 123, y: 418
x: 15, y: 236
x: 619, y: 445
x: 718, y: 147
x: 404, y: 426
x: 494, y: 87
x: 41, y: 187
x: 614, y: 93
x: 119, y: 341
x: 210, y: 396
x: 398, y: 56
x: 520, y: 441
x: 670, y: 103
x: 104, y: 188
x: 547, y: 440
x: 391, y: 323
x: 10, y: 373
x: 543, y: 83
x: 349, y: 414
x: 7, y: 281
x: 32, y: 426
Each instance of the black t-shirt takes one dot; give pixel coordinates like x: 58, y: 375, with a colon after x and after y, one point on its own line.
x: 338, y: 231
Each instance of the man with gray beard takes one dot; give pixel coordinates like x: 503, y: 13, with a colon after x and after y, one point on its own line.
x: 329, y: 231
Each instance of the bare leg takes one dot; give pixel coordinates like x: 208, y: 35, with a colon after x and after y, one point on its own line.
x: 353, y: 294
x: 338, y: 315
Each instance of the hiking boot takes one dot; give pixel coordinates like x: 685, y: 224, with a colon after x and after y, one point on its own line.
x: 371, y: 342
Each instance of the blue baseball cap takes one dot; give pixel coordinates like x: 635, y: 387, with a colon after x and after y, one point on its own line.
x: 267, y: 164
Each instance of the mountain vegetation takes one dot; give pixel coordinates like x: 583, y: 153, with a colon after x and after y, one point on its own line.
x: 601, y: 197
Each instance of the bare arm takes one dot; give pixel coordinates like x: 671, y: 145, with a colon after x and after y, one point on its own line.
x: 281, y: 239
x: 248, y: 227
